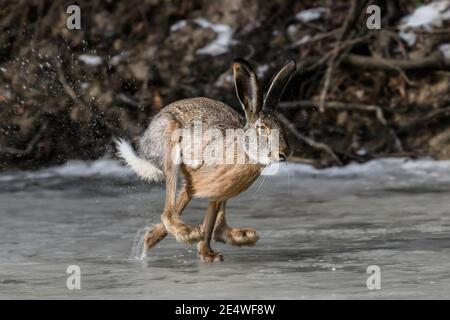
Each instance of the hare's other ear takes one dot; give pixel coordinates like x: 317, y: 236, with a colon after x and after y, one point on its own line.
x: 247, y: 88
x: 277, y: 87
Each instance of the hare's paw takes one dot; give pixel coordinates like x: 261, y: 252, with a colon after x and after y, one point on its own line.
x: 244, y: 236
x: 238, y: 236
x: 211, y: 257
x: 154, y: 235
x: 182, y: 232
x: 207, y: 255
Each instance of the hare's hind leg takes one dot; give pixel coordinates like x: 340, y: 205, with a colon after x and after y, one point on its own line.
x: 170, y: 217
x: 159, y: 232
x: 233, y: 236
x: 204, y: 248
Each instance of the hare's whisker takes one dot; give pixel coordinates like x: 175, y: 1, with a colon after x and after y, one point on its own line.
x: 260, y: 184
x: 289, y: 179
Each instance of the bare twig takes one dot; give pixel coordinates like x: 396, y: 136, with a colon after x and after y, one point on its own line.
x: 349, y: 19
x: 123, y: 98
x: 337, y: 105
x: 444, y: 112
x: 326, y: 84
x: 30, y: 146
x: 316, y: 38
x: 434, y: 61
x: 331, y: 63
x: 68, y: 89
x: 434, y: 31
x: 312, y: 143
x: 303, y: 160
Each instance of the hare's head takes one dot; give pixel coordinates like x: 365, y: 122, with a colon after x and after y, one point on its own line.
x: 259, y: 113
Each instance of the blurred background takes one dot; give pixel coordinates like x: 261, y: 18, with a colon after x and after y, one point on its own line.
x: 360, y: 93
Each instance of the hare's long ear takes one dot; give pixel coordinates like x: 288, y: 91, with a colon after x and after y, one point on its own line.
x: 247, y: 88
x: 277, y: 87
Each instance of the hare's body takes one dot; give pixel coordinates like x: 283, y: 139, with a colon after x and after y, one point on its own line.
x: 215, y: 182
x: 221, y: 182
x: 161, y: 157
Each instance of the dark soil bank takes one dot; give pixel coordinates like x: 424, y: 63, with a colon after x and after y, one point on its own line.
x: 359, y: 93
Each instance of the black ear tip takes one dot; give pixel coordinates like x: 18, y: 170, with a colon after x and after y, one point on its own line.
x: 239, y: 60
x: 242, y: 62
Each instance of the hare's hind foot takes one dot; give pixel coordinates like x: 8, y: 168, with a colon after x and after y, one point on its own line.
x: 182, y: 232
x: 206, y: 254
x: 236, y: 236
x: 154, y: 235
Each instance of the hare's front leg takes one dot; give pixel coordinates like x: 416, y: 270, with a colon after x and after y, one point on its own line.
x: 233, y: 236
x: 204, y: 247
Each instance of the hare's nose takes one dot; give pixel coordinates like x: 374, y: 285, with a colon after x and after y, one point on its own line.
x: 282, y: 157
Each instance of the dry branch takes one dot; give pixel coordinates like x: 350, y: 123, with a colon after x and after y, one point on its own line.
x: 334, y: 61
x: 434, y: 61
x: 312, y: 143
x: 68, y: 89
x: 444, y: 112
x: 30, y: 146
x: 337, y: 105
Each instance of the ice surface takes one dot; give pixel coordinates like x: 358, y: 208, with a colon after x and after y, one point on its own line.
x: 320, y: 230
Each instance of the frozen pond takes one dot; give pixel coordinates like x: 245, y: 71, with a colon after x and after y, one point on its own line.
x: 319, y: 230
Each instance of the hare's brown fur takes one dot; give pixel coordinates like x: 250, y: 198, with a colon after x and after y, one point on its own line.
x: 216, y: 182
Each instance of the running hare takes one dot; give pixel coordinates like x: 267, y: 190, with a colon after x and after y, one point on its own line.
x: 160, y: 157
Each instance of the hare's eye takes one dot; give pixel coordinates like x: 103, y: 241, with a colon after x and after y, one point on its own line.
x: 263, y: 130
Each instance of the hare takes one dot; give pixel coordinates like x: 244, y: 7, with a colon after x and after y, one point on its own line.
x: 160, y: 157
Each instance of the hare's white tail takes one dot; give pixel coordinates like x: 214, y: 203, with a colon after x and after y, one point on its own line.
x: 142, y: 167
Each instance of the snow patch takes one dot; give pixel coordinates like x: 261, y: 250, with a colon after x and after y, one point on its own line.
x: 73, y: 169
x: 223, y: 40
x: 261, y: 70
x: 426, y: 17
x: 445, y: 50
x: 178, y: 25
x: 310, y: 14
x: 90, y: 59
x: 303, y: 40
x: 90, y: 168
x: 115, y: 60
x: 386, y: 166
x: 426, y: 167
